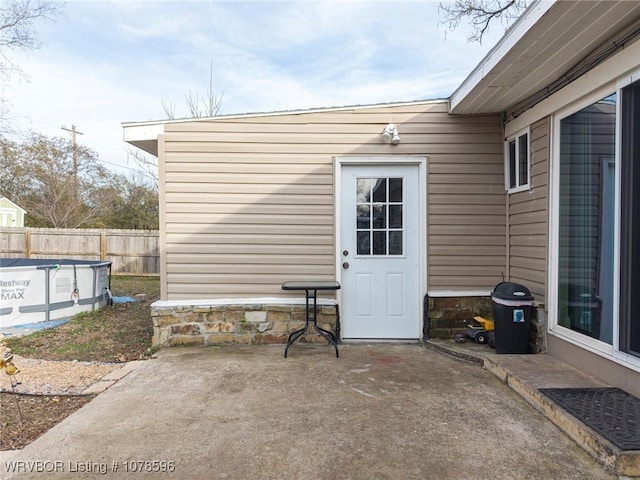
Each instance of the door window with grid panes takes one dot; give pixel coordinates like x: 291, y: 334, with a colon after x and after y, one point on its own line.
x: 379, y: 216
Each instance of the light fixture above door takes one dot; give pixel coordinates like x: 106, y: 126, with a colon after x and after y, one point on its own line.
x: 390, y: 133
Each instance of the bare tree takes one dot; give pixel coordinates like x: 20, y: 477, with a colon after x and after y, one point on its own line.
x: 135, y: 205
x: 18, y: 20
x: 147, y: 163
x: 41, y: 175
x: 14, y: 176
x: 480, y: 14
x: 63, y: 191
x: 208, y: 105
x: 169, y: 108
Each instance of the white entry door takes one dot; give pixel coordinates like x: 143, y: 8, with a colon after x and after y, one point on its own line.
x: 379, y: 252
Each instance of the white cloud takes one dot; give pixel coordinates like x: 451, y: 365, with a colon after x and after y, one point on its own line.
x: 108, y: 62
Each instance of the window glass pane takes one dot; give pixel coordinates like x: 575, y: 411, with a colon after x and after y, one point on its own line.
x: 395, y: 243
x: 395, y: 190
x: 379, y: 210
x: 395, y: 216
x: 630, y: 225
x: 379, y: 216
x: 363, y: 216
x: 523, y: 159
x: 586, y: 220
x: 380, y: 243
x: 512, y: 164
x: 363, y: 190
x: 380, y: 190
x: 364, y: 247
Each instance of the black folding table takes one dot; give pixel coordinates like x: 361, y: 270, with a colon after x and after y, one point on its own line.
x: 311, y: 291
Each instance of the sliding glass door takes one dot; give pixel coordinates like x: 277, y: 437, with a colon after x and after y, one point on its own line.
x: 595, y: 298
x: 587, y: 219
x: 630, y: 221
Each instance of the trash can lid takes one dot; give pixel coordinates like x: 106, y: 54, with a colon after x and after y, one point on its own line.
x: 512, y: 291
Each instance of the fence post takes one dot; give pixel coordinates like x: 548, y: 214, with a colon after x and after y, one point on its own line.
x: 27, y: 242
x: 103, y: 245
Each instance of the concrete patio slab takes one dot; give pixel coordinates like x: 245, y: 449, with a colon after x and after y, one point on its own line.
x: 378, y: 412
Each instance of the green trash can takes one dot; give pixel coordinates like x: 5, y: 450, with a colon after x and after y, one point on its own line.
x: 512, y: 310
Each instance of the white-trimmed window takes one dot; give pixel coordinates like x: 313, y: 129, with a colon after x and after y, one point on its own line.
x: 517, y: 162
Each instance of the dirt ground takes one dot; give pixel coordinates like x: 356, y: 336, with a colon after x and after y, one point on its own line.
x: 41, y: 395
x: 58, y: 364
x: 26, y: 417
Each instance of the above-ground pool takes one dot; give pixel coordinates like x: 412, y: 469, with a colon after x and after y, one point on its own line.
x: 38, y: 290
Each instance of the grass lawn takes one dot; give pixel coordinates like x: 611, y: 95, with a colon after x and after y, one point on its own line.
x: 116, y: 333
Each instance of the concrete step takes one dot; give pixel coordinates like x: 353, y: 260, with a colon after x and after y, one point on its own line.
x: 526, y: 374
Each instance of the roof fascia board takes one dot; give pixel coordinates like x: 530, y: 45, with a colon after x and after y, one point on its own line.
x: 129, y: 125
x: 515, y: 33
x: 142, y: 131
x: 14, y: 204
x: 135, y: 133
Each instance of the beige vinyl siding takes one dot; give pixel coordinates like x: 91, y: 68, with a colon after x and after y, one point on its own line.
x: 249, y: 201
x: 466, y: 208
x: 528, y: 219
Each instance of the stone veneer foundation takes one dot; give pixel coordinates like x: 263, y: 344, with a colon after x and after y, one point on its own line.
x: 451, y: 315
x: 215, y: 322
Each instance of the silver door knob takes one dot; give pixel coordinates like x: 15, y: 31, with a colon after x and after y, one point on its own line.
x: 345, y: 265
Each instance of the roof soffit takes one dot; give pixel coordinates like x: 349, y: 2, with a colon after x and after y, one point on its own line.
x: 567, y: 33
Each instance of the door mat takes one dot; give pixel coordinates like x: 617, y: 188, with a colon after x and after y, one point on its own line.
x: 613, y: 413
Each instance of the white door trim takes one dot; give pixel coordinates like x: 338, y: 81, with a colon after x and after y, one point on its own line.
x: 421, y: 162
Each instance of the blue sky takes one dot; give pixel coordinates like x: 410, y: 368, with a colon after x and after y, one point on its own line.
x: 107, y: 62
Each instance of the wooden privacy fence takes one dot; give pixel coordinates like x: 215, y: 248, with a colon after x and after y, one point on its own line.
x: 130, y: 251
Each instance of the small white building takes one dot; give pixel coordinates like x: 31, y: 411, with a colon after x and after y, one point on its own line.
x: 11, y: 215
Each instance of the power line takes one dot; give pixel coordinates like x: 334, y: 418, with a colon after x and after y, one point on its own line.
x: 120, y: 166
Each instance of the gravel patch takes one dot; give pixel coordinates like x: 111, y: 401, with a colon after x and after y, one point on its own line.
x: 46, y: 377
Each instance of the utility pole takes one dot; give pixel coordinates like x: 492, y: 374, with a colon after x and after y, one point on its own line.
x: 74, y: 132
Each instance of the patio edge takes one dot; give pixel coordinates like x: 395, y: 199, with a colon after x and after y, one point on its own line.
x: 626, y: 463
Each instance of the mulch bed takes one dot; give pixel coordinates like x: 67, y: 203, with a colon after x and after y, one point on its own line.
x: 39, y: 414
